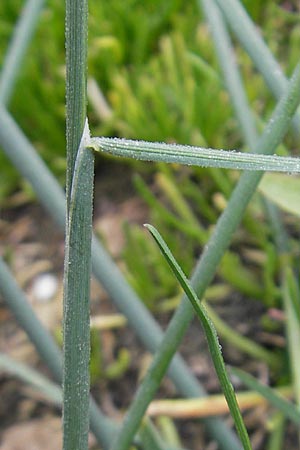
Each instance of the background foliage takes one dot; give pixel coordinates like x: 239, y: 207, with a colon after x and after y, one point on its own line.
x: 145, y: 54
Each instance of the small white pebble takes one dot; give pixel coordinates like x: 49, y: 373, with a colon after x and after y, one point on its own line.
x: 44, y: 287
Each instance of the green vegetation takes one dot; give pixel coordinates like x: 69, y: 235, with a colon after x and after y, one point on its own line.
x: 162, y: 62
x: 156, y: 73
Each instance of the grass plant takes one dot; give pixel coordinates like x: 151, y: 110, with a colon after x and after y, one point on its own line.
x: 210, y: 257
x: 48, y: 191
x: 211, y: 335
x: 79, y: 195
x: 178, y: 110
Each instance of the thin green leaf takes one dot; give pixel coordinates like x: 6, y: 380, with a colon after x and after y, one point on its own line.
x: 197, y: 156
x: 287, y: 408
x: 211, y: 335
x: 283, y: 190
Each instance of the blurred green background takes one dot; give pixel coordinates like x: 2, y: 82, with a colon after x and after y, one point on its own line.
x: 154, y: 63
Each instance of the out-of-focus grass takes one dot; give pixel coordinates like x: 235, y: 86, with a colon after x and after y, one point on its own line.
x: 146, y: 54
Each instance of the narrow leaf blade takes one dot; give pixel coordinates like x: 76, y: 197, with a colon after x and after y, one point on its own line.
x: 211, y: 335
x: 195, y: 156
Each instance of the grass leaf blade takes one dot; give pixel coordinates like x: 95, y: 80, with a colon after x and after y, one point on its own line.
x: 196, y: 156
x: 211, y: 335
x: 76, y: 329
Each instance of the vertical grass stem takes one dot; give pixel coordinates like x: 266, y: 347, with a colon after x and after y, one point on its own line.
x: 79, y: 193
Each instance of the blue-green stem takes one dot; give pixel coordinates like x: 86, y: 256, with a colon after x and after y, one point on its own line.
x: 103, y: 428
x: 76, y: 330
x: 246, y: 32
x: 76, y: 68
x: 50, y: 390
x: 150, y: 439
x: 79, y: 195
x: 21, y: 38
x: 24, y: 314
x: 227, y: 61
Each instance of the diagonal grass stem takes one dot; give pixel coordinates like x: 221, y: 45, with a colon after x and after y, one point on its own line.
x: 51, y: 391
x: 102, y: 427
x: 251, y: 40
x: 22, y: 35
x: 228, y: 64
